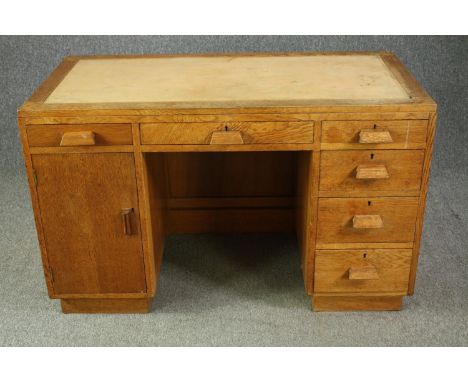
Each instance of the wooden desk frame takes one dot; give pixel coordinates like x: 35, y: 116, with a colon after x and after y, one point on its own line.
x: 151, y: 177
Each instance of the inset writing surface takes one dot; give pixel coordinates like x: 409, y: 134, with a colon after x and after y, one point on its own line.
x: 238, y: 79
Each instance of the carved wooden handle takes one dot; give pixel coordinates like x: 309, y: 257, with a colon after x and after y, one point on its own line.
x: 366, y: 272
x: 367, y: 221
x: 375, y: 136
x: 127, y: 221
x: 372, y: 171
x: 226, y: 138
x: 78, y: 138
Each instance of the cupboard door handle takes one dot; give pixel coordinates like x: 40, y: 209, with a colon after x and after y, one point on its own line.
x: 226, y: 138
x: 372, y: 171
x: 78, y: 138
x: 127, y: 221
x: 375, y: 136
x: 367, y: 221
x: 365, y: 272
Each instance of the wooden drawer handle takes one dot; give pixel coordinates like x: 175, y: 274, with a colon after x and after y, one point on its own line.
x: 375, y: 136
x: 78, y: 138
x: 226, y: 138
x: 367, y: 221
x: 372, y: 171
x: 366, y: 272
x: 127, y: 221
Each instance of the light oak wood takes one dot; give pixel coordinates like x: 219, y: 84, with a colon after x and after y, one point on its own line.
x: 335, y: 219
x: 32, y: 183
x: 226, y: 138
x: 363, y: 245
x: 78, y: 138
x: 422, y: 201
x: 231, y: 202
x: 304, y: 217
x: 215, y: 183
x: 375, y: 136
x: 231, y: 220
x: 152, y: 178
x: 233, y: 174
x: 269, y: 143
x: 405, y: 134
x: 367, y: 221
x: 362, y: 271
x: 104, y: 134
x: 105, y: 305
x: 81, y: 197
x: 217, y: 115
x: 270, y: 147
x: 239, y: 133
x: 127, y: 221
x: 353, y: 303
x: 81, y: 150
x: 371, y: 172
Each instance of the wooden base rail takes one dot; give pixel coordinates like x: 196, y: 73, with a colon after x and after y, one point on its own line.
x: 97, y: 305
x: 352, y: 303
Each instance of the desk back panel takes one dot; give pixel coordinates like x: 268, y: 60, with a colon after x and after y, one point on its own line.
x: 229, y: 192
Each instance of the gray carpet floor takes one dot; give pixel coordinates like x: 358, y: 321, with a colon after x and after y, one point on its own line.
x: 227, y: 290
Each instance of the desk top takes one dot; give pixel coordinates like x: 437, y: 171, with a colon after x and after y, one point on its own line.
x: 227, y: 81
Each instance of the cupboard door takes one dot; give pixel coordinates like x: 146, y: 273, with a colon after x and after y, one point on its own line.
x: 89, y: 212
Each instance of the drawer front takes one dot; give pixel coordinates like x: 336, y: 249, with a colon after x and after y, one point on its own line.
x: 406, y: 134
x: 226, y: 133
x: 371, y: 171
x: 367, y: 220
x: 79, y: 135
x: 357, y: 271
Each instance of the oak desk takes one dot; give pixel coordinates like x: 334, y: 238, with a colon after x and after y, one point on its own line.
x: 121, y: 151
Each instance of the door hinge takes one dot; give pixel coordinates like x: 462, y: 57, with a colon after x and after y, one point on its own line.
x: 51, y: 274
x: 34, y: 174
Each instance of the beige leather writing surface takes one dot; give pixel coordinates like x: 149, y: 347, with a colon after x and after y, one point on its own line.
x: 229, y: 79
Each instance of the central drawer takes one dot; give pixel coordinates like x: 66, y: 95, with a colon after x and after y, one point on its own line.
x: 357, y: 271
x: 367, y: 220
x: 227, y: 133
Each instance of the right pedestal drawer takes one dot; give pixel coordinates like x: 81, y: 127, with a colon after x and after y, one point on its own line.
x: 357, y: 271
x: 371, y: 172
x: 366, y: 220
x: 402, y: 134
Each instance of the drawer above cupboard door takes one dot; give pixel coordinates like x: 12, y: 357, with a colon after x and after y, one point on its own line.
x: 229, y: 133
x: 89, y: 213
x: 79, y: 135
x: 371, y: 172
x: 362, y: 271
x: 366, y: 220
x: 404, y: 134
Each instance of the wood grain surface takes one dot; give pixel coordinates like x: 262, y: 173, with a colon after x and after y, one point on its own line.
x: 339, y: 170
x: 81, y: 197
x: 392, y: 267
x: 250, y: 132
x: 405, y: 134
x: 104, y: 134
x: 250, y: 142
x: 335, y: 216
